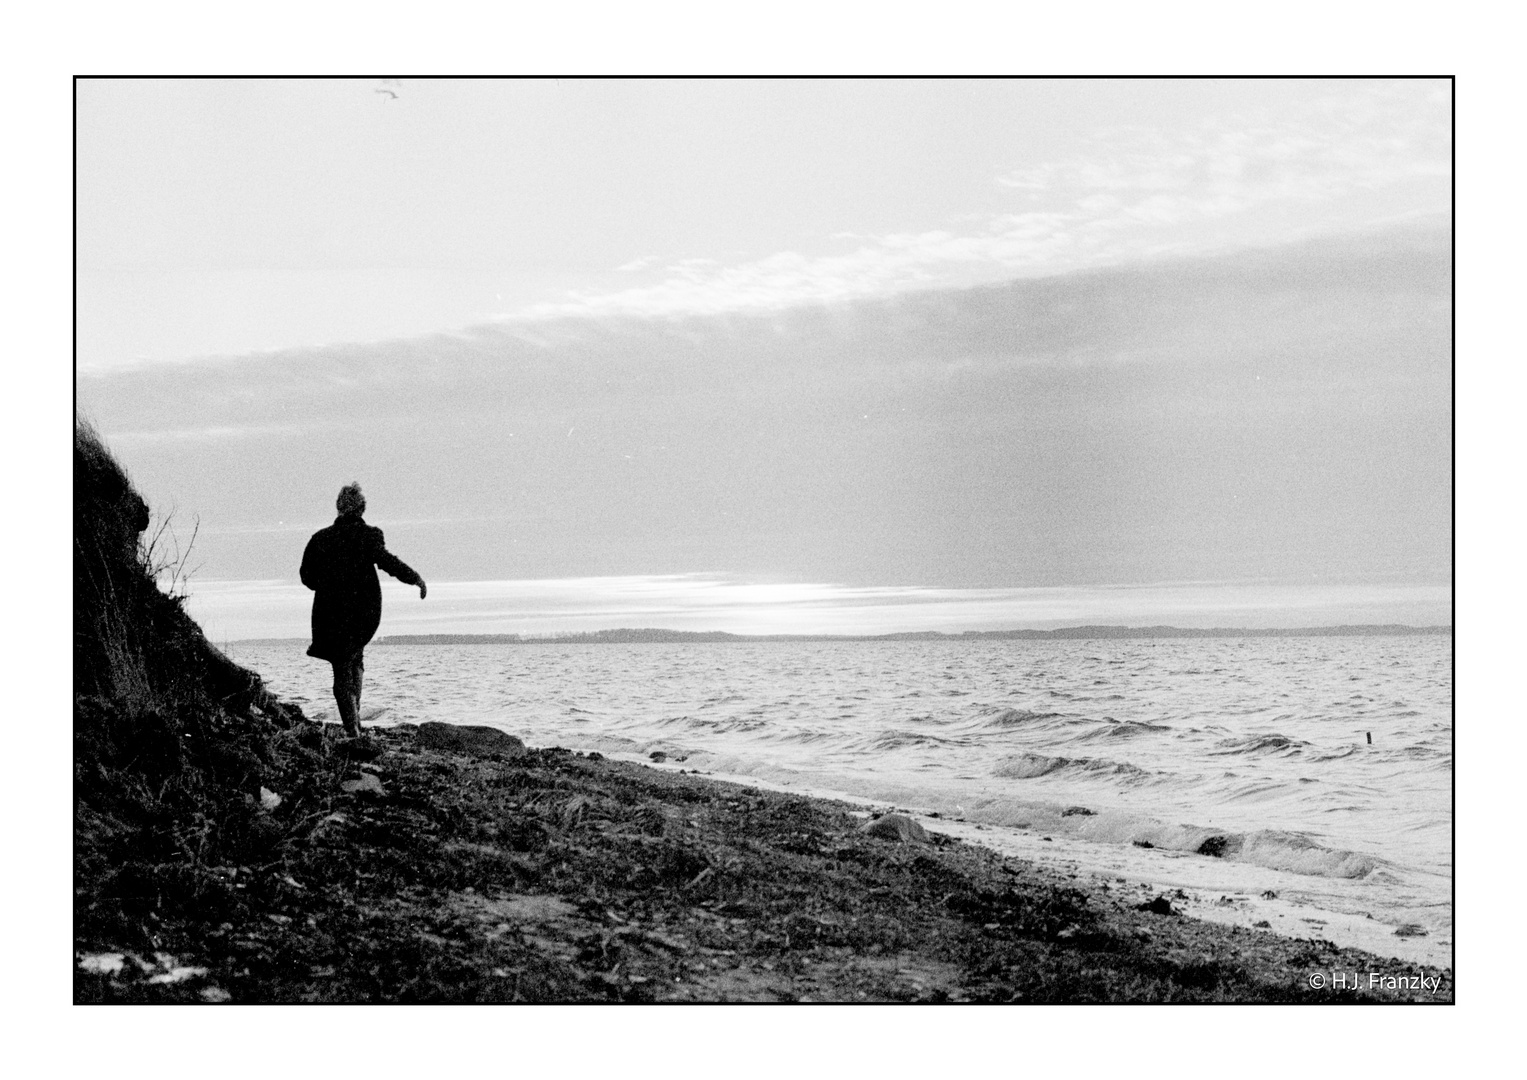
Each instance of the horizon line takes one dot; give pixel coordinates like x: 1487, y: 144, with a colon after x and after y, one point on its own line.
x: 1115, y: 629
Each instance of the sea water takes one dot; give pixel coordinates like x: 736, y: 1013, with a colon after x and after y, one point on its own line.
x: 1144, y: 757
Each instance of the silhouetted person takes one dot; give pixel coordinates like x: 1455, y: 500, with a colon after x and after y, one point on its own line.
x: 339, y: 565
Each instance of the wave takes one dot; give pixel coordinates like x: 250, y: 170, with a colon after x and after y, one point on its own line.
x: 1270, y: 743
x: 1334, y: 755
x: 1121, y: 729
x: 1299, y: 854
x: 1292, y: 852
x: 1027, y: 766
x: 1269, y: 848
x: 898, y: 740
x: 806, y: 737
x: 744, y: 722
x: 1009, y: 718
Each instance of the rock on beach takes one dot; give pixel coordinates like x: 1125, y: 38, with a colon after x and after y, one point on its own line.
x: 468, y: 739
x: 367, y: 784
x: 896, y: 827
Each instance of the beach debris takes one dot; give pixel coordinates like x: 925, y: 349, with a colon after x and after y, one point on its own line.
x: 1075, y: 811
x: 651, y: 936
x: 1410, y: 929
x: 177, y: 974
x: 1047, y: 840
x: 109, y: 963
x: 1268, y: 894
x: 1262, y: 924
x: 896, y: 827
x: 671, y: 944
x: 571, y: 813
x: 1159, y: 906
x: 1214, y: 846
x: 658, y: 756
x: 368, y: 784
x: 269, y: 800
x: 173, y: 971
x: 1142, y: 843
x: 468, y: 739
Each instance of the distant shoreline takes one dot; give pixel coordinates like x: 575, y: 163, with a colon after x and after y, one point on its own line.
x: 1071, y: 633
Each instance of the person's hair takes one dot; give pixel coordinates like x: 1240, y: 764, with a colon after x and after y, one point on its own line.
x: 350, y: 500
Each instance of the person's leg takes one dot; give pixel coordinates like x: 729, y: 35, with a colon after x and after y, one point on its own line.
x: 345, y: 696
x: 357, y: 680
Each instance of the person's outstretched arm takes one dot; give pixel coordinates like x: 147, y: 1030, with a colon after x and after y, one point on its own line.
x: 386, y: 560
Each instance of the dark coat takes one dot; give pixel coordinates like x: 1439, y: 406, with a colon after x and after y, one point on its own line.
x: 339, y: 565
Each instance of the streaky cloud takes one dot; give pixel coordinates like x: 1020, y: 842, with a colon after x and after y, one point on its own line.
x: 1265, y: 413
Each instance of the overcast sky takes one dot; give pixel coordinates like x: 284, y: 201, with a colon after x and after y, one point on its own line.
x: 788, y: 355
